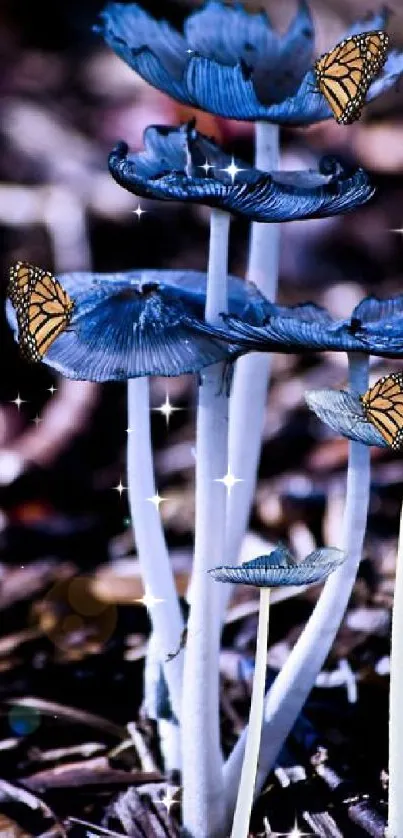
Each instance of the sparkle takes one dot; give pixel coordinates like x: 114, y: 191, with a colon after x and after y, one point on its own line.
x: 232, y: 170
x: 129, y: 430
x: 396, y: 230
x: 166, y: 409
x: 18, y: 401
x: 296, y: 832
x: 229, y: 480
x: 149, y: 600
x: 168, y: 798
x: 206, y: 166
x: 37, y: 420
x: 52, y: 390
x: 139, y: 211
x: 156, y: 500
x: 120, y: 488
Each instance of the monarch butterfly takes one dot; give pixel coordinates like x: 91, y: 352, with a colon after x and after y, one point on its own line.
x: 42, y: 306
x: 344, y: 75
x: 383, y: 407
x: 21, y: 276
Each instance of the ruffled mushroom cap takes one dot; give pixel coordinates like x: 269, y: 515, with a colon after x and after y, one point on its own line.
x: 138, y: 323
x: 233, y: 63
x: 375, y: 327
x: 281, y: 568
x: 344, y: 413
x: 180, y: 164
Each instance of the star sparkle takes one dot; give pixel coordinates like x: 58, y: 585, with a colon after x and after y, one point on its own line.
x: 18, y: 401
x: 168, y: 799
x: 229, y: 480
x: 296, y: 832
x: 232, y: 170
x: 129, y: 430
x: 167, y: 409
x: 149, y: 600
x: 206, y: 167
x: 139, y: 211
x: 156, y: 500
x: 37, y: 420
x: 120, y: 488
x: 52, y: 390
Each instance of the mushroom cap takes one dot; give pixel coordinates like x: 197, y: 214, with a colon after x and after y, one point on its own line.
x: 140, y: 323
x: 180, y: 164
x: 233, y: 63
x: 344, y: 413
x: 281, y: 568
x: 375, y: 327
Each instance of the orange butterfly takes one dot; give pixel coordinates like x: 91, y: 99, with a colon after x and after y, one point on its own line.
x: 42, y: 306
x: 344, y: 74
x: 383, y: 407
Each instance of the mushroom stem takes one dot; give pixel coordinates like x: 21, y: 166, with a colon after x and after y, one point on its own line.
x: 240, y: 827
x: 252, y: 371
x: 292, y: 686
x: 203, y: 799
x: 395, y: 813
x: 152, y: 551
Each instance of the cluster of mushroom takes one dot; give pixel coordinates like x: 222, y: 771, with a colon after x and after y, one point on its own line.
x: 127, y: 326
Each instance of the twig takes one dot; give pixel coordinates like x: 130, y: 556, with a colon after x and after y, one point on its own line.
x: 9, y: 791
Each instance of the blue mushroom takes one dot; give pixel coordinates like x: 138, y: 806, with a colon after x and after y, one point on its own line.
x: 374, y: 328
x: 281, y: 568
x: 343, y: 412
x: 180, y: 164
x: 265, y: 572
x: 138, y: 323
x: 233, y: 63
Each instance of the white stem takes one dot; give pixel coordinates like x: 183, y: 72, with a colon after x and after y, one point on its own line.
x: 217, y: 276
x: 395, y: 814
x: 240, y: 827
x: 171, y: 746
x: 152, y: 552
x: 298, y: 675
x: 252, y: 371
x: 203, y: 802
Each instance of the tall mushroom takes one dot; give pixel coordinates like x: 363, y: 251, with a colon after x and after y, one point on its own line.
x: 182, y: 164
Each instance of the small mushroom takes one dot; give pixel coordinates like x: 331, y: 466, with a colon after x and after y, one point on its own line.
x: 266, y: 572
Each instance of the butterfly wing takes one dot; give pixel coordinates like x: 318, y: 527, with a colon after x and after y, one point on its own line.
x: 383, y: 407
x: 43, y: 310
x: 22, y: 275
x: 345, y: 74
